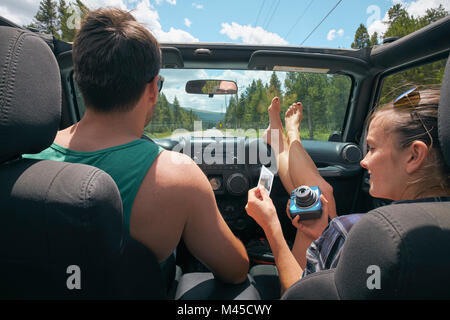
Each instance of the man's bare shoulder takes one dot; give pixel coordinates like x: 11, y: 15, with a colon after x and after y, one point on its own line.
x: 171, y: 192
x: 173, y: 169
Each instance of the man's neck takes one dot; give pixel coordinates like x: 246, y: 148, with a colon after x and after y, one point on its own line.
x: 101, y: 130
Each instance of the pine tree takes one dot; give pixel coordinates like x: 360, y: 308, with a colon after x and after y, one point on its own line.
x: 67, y: 31
x: 46, y: 19
x: 400, y: 24
x: 70, y: 16
x: 433, y: 15
x: 361, y: 38
x: 395, y: 12
x: 82, y: 7
x: 373, y: 39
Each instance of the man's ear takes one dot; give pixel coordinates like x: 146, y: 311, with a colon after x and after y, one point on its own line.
x: 417, y: 153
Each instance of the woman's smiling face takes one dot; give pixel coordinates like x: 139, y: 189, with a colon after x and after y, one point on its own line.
x: 384, y: 161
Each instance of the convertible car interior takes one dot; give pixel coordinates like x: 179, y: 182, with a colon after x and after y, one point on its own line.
x: 53, y: 212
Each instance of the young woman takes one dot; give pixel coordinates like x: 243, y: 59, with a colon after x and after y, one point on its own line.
x: 404, y: 161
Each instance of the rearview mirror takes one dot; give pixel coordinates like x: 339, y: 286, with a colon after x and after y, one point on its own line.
x: 211, y: 87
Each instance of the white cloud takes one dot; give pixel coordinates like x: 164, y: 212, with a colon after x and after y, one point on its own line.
x: 94, y: 4
x: 187, y: 22
x: 251, y: 35
x: 20, y: 12
x: 23, y: 11
x: 146, y: 14
x: 15, y: 17
x: 197, y: 6
x: 332, y: 34
x: 378, y: 26
x: 419, y: 7
x: 416, y: 8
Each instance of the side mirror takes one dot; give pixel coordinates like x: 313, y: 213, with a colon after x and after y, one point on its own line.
x: 211, y: 87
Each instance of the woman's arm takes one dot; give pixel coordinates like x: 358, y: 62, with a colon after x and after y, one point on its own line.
x: 260, y: 207
x: 290, y: 265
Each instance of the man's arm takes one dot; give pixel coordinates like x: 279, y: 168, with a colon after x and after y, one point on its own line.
x: 176, y: 201
x: 206, y: 234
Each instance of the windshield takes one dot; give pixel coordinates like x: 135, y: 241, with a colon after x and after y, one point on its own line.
x: 324, y: 97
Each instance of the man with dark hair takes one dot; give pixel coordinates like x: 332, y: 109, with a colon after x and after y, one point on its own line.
x: 165, y: 195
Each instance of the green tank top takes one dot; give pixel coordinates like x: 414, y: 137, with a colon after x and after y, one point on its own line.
x: 127, y: 164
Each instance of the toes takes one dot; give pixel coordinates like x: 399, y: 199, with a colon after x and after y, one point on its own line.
x: 275, y: 104
x: 290, y: 111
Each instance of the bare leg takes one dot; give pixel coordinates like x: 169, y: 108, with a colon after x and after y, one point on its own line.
x: 303, y: 171
x: 274, y: 137
x: 275, y: 128
x: 302, y: 168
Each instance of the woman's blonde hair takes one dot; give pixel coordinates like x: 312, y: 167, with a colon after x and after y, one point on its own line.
x: 419, y: 123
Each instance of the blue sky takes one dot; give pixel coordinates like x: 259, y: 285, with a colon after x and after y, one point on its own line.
x: 248, y: 21
x: 293, y: 21
x: 269, y: 22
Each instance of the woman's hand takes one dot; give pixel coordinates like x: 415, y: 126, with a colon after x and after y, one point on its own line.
x: 260, y: 207
x: 312, y: 228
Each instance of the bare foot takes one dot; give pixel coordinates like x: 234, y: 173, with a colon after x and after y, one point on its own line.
x: 292, y: 121
x: 275, y: 129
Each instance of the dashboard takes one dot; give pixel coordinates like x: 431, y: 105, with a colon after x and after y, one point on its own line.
x: 233, y: 165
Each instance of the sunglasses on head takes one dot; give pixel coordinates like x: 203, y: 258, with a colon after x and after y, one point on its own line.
x: 159, y: 83
x: 410, y: 98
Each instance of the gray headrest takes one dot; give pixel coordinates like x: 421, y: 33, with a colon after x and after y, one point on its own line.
x: 409, y: 244
x: 30, y: 94
x: 444, y: 115
x: 401, y: 251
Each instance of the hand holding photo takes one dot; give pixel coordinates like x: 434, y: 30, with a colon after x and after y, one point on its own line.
x: 266, y: 179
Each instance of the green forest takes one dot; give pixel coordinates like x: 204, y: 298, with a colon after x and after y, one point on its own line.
x: 324, y: 97
x: 169, y: 117
x: 59, y: 18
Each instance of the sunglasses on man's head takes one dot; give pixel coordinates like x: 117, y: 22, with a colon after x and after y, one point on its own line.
x: 160, y: 83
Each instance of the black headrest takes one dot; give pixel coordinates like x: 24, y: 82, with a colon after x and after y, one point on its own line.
x: 444, y: 115
x: 401, y: 251
x: 30, y: 93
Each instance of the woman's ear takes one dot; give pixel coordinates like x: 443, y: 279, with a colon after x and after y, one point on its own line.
x: 417, y: 153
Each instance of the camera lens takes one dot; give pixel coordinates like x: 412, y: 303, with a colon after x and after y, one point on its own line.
x: 305, y: 197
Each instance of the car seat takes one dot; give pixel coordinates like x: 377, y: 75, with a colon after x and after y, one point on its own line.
x: 61, y: 232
